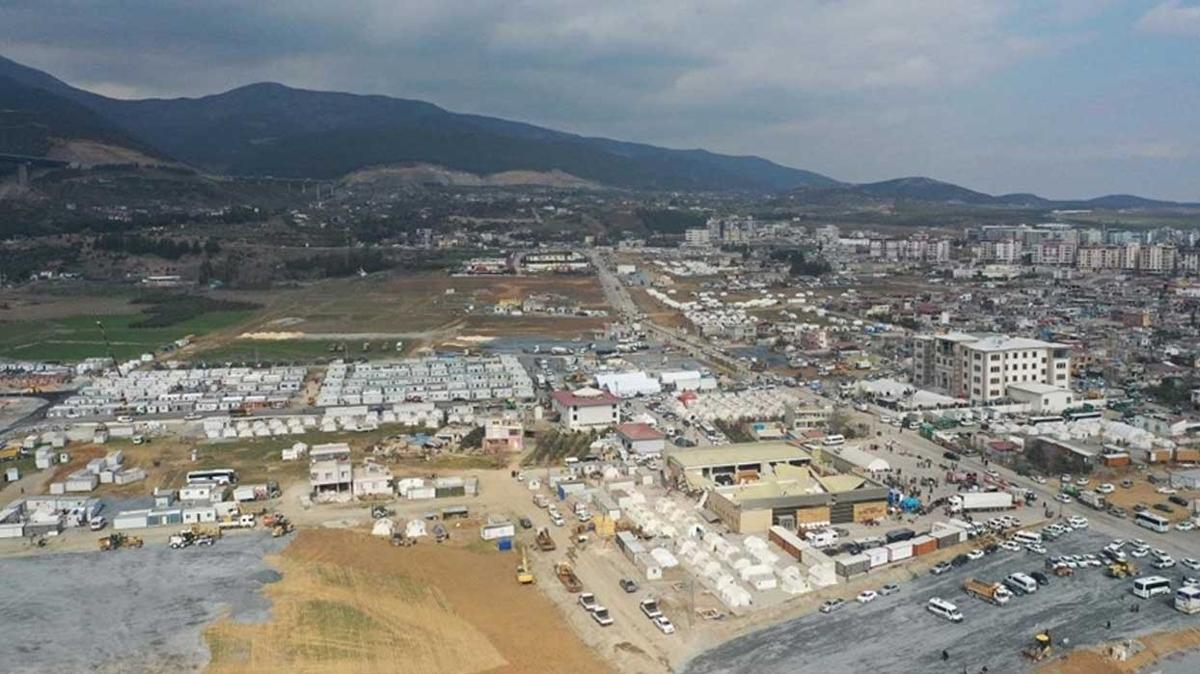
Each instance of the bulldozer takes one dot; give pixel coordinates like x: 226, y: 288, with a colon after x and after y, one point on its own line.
x: 1041, y: 647
x: 118, y: 540
x: 524, y: 574
x: 1121, y: 569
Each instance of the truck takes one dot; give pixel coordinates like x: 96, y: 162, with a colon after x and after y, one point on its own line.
x: 543, y: 540
x: 256, y: 492
x: 566, y: 576
x: 994, y: 593
x: 1092, y: 499
x: 1125, y: 569
x: 239, y: 522
x: 981, y: 501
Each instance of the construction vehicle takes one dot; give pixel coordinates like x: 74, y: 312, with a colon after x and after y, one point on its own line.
x: 118, y: 540
x: 1124, y: 569
x: 543, y: 540
x: 281, y: 526
x: 1063, y: 571
x: 524, y: 575
x: 566, y: 575
x: 193, y: 536
x: 440, y: 534
x: 1041, y: 647
x: 994, y: 593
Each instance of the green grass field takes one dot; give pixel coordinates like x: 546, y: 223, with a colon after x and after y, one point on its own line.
x: 303, y: 350
x: 77, y: 337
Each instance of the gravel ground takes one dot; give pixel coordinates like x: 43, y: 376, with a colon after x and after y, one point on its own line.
x: 129, y: 610
x: 896, y: 633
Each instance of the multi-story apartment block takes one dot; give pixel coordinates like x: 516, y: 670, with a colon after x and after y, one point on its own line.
x: 980, y: 368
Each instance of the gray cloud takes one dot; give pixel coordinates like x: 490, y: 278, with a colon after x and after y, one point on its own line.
x: 862, y: 90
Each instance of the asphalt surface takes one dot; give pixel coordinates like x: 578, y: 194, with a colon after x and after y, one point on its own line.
x: 897, y: 634
x: 128, y: 610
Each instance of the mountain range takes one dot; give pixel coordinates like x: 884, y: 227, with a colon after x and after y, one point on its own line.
x: 272, y: 129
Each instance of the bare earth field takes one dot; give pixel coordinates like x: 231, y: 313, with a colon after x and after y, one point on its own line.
x: 350, y: 603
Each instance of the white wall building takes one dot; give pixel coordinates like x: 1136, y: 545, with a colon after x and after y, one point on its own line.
x: 980, y: 368
x: 586, y: 409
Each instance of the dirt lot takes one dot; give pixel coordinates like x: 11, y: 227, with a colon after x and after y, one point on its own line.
x: 1143, y: 492
x: 350, y: 603
x: 421, y: 309
x: 1155, y: 647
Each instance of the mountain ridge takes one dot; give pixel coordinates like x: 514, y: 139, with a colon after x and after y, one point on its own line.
x: 270, y: 128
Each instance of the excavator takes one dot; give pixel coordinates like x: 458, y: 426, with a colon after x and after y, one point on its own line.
x: 118, y: 540
x: 1041, y: 647
x: 524, y: 574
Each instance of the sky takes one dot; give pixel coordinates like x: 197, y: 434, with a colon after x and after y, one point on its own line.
x: 1064, y: 98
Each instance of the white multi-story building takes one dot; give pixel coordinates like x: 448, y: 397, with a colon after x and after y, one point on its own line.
x: 980, y: 368
x: 697, y: 236
x: 586, y: 409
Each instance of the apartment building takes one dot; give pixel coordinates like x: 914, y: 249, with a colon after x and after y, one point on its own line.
x: 979, y: 368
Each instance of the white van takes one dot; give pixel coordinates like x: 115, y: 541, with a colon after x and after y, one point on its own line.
x: 834, y: 440
x: 944, y: 609
x: 821, y: 539
x: 1023, y: 581
x: 1028, y: 538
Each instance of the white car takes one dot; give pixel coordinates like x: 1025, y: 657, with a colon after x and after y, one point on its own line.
x: 975, y: 554
x: 663, y: 623
x: 890, y: 588
x: 1010, y: 546
x: 1082, y: 482
x: 1036, y: 548
x: 601, y: 615
x: 1078, y: 522
x: 1062, y: 498
x: 1185, y: 525
x: 1190, y: 563
x: 1066, y: 477
x: 1038, y: 479
x: 1166, y: 490
x: 1105, y: 488
x: 1138, y: 552
x: 866, y: 596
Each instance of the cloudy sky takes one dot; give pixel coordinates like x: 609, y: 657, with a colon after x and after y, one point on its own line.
x: 1065, y: 98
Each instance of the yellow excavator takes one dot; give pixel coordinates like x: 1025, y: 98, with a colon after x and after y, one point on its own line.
x: 1041, y: 647
x: 524, y: 574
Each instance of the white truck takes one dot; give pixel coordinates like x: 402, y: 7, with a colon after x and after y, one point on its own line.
x: 246, y: 521
x: 981, y: 501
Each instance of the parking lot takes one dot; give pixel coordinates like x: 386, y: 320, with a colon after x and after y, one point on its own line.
x: 896, y: 633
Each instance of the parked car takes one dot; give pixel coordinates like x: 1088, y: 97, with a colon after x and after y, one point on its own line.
x: 1041, y: 578
x: 1117, y: 511
x: 629, y: 585
x: 600, y: 615
x: 1163, y: 508
x: 1185, y: 525
x: 649, y: 608
x: 98, y: 522
x: 1190, y: 563
x: 1178, y: 500
x: 867, y: 596
x: 832, y: 605
x: 890, y: 588
x: 526, y: 523
x: 940, y: 568
x: 588, y: 601
x: 664, y: 625
x: 959, y: 560
x: 975, y: 554
x: 1105, y: 488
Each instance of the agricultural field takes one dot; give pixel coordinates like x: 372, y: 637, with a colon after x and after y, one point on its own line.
x: 78, y: 337
x: 350, y: 603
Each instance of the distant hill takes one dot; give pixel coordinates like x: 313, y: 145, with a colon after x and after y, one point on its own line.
x: 272, y: 129
x: 37, y: 122
x: 921, y: 189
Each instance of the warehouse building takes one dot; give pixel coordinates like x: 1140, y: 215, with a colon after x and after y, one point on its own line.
x: 753, y: 486
x: 641, y: 439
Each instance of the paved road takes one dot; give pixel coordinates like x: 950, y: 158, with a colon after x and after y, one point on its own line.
x: 897, y: 634
x: 618, y: 296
